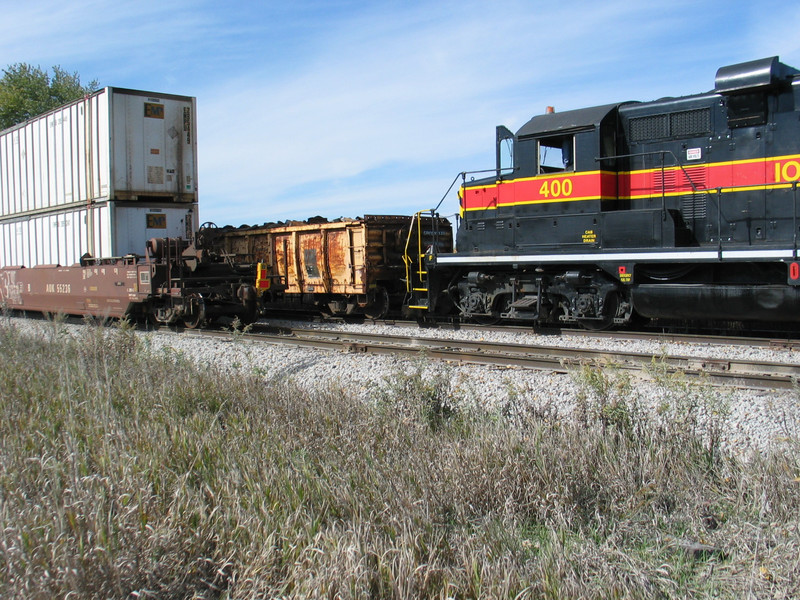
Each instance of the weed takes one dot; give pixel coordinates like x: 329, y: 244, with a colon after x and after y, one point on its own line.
x: 605, y: 397
x: 420, y: 395
x: 131, y: 473
x: 238, y: 330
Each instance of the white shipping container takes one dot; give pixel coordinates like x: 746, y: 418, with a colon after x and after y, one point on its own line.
x: 115, y: 144
x: 107, y: 229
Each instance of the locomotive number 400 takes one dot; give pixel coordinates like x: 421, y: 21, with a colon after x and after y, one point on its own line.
x: 556, y: 188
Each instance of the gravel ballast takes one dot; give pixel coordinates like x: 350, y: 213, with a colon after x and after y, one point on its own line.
x: 753, y: 420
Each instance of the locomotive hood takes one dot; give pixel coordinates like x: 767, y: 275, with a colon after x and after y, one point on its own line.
x: 567, y: 120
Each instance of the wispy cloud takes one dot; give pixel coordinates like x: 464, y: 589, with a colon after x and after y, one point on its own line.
x: 416, y: 87
x: 350, y: 107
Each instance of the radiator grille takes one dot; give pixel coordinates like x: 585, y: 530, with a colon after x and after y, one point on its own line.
x: 690, y: 122
x: 649, y: 128
x: 693, y: 207
x: 687, y: 123
x: 676, y: 179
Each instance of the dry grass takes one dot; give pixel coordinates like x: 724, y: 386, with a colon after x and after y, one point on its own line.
x: 126, y: 473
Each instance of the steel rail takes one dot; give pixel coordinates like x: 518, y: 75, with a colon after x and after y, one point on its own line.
x: 777, y: 342
x: 722, y: 372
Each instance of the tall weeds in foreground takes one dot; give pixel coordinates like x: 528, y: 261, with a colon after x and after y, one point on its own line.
x: 131, y: 473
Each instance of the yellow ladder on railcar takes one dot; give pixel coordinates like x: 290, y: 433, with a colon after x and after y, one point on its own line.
x: 414, y: 259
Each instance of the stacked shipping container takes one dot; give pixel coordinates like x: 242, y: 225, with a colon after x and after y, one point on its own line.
x: 100, y: 175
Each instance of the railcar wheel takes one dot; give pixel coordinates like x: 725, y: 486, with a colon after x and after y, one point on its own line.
x: 197, y: 315
x: 379, y: 306
x: 152, y: 320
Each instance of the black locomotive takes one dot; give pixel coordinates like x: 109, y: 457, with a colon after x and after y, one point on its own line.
x: 682, y: 208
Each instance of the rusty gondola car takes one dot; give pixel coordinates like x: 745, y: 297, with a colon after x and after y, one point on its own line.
x: 173, y: 282
x: 342, y: 267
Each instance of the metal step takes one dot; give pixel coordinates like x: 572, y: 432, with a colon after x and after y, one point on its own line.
x: 525, y: 302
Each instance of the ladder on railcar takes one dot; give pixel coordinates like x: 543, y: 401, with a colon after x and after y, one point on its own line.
x: 421, y: 246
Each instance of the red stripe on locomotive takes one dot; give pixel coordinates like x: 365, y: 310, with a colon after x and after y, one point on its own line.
x: 570, y: 187
x: 566, y: 187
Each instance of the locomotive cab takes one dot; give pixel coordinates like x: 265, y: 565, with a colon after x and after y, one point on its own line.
x: 555, y: 185
x: 552, y: 179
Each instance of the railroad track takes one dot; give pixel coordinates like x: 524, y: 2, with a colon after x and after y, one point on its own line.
x: 778, y: 341
x: 734, y: 373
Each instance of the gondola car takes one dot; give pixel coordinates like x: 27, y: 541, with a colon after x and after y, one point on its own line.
x: 346, y: 267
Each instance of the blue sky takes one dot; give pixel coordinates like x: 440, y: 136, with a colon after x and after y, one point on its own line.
x: 345, y: 108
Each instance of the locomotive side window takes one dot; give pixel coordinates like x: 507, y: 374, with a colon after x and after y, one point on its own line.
x: 506, y: 141
x: 506, y: 155
x: 556, y: 154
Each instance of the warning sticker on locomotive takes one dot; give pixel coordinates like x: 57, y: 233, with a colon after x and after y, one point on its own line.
x: 694, y: 153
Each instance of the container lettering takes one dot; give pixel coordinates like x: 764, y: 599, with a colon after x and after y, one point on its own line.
x: 58, y: 288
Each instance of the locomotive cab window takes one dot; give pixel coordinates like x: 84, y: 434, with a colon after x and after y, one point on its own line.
x: 505, y: 151
x: 556, y: 154
x: 505, y: 156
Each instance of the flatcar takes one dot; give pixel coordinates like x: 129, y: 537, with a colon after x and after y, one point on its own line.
x: 172, y: 283
x: 680, y: 208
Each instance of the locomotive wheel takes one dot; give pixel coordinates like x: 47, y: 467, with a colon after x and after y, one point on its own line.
x: 609, y: 312
x: 500, y: 305
x: 487, y: 320
x: 197, y: 317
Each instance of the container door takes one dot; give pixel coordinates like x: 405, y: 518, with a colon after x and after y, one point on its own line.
x: 134, y: 225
